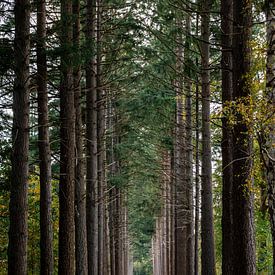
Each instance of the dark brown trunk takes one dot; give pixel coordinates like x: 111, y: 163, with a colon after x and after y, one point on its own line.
x: 180, y: 184
x: 100, y: 146
x: 207, y: 230
x: 67, y: 147
x: 18, y: 231
x: 226, y: 145
x: 269, y: 153
x: 242, y: 198
x: 91, y: 136
x: 80, y: 192
x: 197, y: 181
x: 46, y: 237
x: 189, y: 153
x: 197, y: 168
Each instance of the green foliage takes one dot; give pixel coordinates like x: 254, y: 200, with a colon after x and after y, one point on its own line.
x: 33, y: 225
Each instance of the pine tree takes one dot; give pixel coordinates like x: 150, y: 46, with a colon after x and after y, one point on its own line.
x: 67, y: 147
x: 242, y: 197
x: 226, y: 145
x: 207, y: 230
x: 18, y: 231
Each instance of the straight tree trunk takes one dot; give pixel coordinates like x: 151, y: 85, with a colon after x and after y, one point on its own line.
x: 80, y: 192
x: 18, y: 231
x: 189, y: 153
x: 269, y: 152
x: 67, y: 147
x: 91, y: 137
x: 226, y: 145
x: 197, y: 168
x: 46, y: 235
x: 197, y: 181
x: 207, y: 230
x: 180, y: 184
x: 242, y: 198
x: 100, y: 144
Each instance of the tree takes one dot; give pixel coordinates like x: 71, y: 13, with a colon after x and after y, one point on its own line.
x: 18, y: 231
x: 46, y: 237
x: 242, y: 197
x: 207, y: 231
x: 67, y: 147
x: 226, y: 145
x: 269, y: 146
x: 80, y: 186
x: 91, y: 145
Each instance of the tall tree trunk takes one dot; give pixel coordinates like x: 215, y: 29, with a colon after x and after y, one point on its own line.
x: 91, y: 136
x: 197, y: 167
x: 18, y: 231
x: 67, y: 147
x: 242, y: 198
x: 197, y: 181
x: 80, y: 196
x: 180, y: 184
x: 189, y: 152
x: 46, y: 235
x: 101, y: 125
x: 269, y: 152
x: 207, y: 230
x: 226, y: 145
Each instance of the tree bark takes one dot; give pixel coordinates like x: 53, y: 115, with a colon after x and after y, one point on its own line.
x: 18, y: 231
x: 226, y: 145
x: 269, y: 145
x: 46, y: 235
x: 67, y: 147
x: 80, y: 188
x: 101, y: 121
x: 197, y: 181
x: 189, y: 152
x: 91, y: 136
x: 207, y: 230
x: 179, y: 154
x: 242, y: 198
x: 197, y: 168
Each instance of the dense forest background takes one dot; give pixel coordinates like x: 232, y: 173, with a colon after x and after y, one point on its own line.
x: 137, y: 137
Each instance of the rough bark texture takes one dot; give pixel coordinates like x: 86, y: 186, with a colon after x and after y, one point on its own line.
x: 242, y: 198
x: 18, y: 231
x: 207, y: 230
x: 101, y: 125
x: 226, y: 145
x: 91, y: 136
x: 197, y: 169
x: 270, y: 139
x: 188, y: 153
x: 179, y: 154
x: 67, y: 148
x: 197, y: 183
x: 80, y: 188
x: 46, y: 237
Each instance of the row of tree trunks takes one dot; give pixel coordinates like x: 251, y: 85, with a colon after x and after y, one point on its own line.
x: 173, y: 243
x: 162, y: 243
x: 85, y: 239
